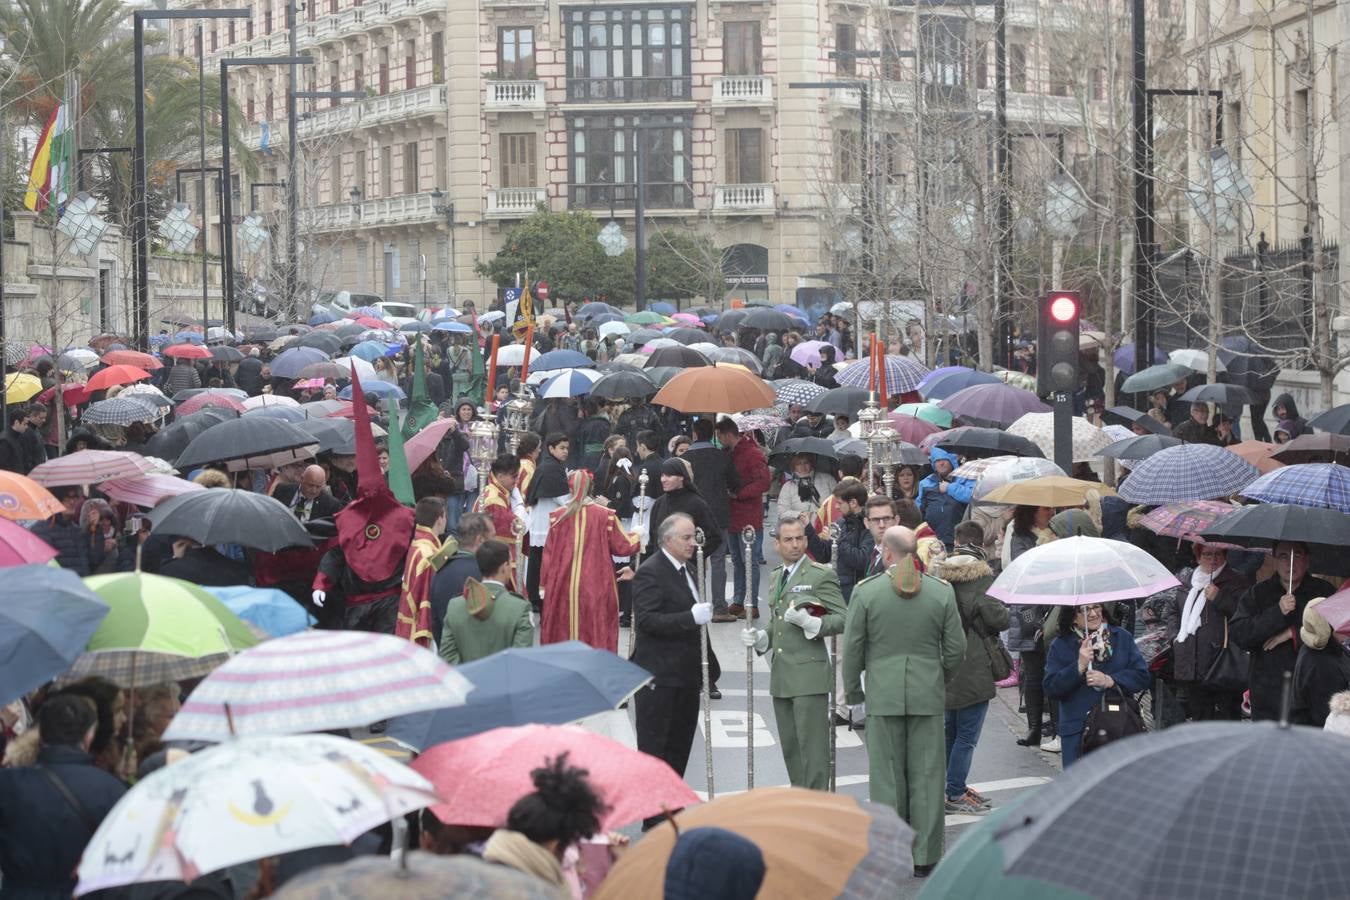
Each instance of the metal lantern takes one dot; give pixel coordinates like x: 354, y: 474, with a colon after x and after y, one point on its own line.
x: 483, y: 447
x: 516, y: 419
x: 884, y: 446
x: 868, y: 417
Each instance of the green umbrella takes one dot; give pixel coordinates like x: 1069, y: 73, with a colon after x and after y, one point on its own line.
x: 974, y: 867
x: 929, y: 412
x: 1154, y: 378
x: 646, y: 317
x: 158, y: 629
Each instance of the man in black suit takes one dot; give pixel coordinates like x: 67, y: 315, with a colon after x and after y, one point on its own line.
x: 716, y: 479
x: 668, y: 614
x: 310, y: 499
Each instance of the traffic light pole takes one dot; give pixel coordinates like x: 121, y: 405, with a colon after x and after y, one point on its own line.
x: 1063, y: 430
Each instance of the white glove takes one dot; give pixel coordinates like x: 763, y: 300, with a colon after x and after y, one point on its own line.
x: 703, y: 613
x: 797, y: 616
x: 755, y: 639
x: 318, y: 597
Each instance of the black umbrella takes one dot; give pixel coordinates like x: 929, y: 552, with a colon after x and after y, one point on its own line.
x: 608, y: 367
x: 226, y: 354
x: 1266, y: 524
x: 230, y: 516
x: 1247, y: 363
x: 641, y: 336
x: 818, y: 447
x: 1322, y: 447
x: 687, y: 335
x: 680, y: 357
x: 1208, y: 810
x: 1141, y: 447
x: 349, y: 329
x: 978, y: 443
x: 1129, y: 416
x: 334, y: 435
x: 623, y: 386
x: 1336, y: 420
x: 731, y: 319
x: 1218, y: 393
x: 843, y: 401
x: 320, y: 340
x: 248, y: 443
x: 259, y: 333
x: 662, y: 374
x: 769, y: 320
x: 173, y: 440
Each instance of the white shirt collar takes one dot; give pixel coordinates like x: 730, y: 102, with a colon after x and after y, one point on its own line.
x: 791, y: 570
x: 673, y: 561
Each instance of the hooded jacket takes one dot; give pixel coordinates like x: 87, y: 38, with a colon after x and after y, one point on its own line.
x: 943, y: 509
x: 981, y: 616
x: 773, y: 354
x: 1297, y: 425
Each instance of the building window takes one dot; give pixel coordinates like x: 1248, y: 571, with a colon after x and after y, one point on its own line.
x: 1098, y: 84
x: 515, y: 53
x: 267, y: 19
x: 845, y: 45
x: 846, y: 162
x: 410, y: 65
x: 603, y: 161
x: 269, y: 103
x: 517, y: 160
x: 1232, y: 131
x: 1017, y: 68
x: 410, y: 167
x: 443, y: 264
x: 215, y: 41
x: 248, y: 30
x: 745, y: 156
x: 232, y: 31
x: 943, y: 41
x: 252, y: 109
x: 1059, y: 79
x: 631, y: 53
x: 438, y: 58
x: 741, y: 49
x: 334, y: 81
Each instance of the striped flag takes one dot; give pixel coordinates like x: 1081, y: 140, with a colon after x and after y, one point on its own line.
x: 49, y: 177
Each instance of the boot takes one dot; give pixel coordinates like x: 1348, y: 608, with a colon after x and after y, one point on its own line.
x: 1014, y: 678
x: 1033, y: 739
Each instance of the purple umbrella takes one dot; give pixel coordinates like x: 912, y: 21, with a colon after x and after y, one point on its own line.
x: 941, y: 388
x: 289, y: 364
x: 938, y: 373
x: 999, y: 404
x: 1124, y: 358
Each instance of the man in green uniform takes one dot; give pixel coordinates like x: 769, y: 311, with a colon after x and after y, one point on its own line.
x: 904, y: 630
x: 488, y: 618
x: 806, y: 606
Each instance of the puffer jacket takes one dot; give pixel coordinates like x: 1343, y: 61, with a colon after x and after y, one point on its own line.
x: 943, y: 509
x: 981, y: 616
x: 77, y: 548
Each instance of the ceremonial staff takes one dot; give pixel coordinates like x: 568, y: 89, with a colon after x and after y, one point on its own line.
x: 519, y: 529
x: 748, y: 539
x: 700, y: 566
x: 642, y: 549
x: 834, y: 664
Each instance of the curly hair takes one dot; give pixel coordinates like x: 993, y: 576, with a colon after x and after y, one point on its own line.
x: 563, y: 806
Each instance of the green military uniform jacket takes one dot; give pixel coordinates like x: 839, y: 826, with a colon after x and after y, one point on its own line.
x: 465, y: 638
x: 908, y: 647
x: 799, y: 666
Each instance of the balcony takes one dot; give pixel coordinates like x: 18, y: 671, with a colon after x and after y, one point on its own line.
x: 505, y: 96
x: 405, y: 105
x: 1046, y: 109
x: 405, y: 210
x: 730, y: 199
x: 336, y: 217
x: 514, y: 203
x: 743, y: 90
x: 331, y: 120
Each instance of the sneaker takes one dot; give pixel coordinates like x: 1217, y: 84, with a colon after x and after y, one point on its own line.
x: 1051, y: 745
x: 978, y: 799
x: 962, y: 806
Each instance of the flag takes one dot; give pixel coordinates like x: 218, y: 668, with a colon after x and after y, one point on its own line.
x: 421, y: 411
x: 49, y: 176
x: 265, y: 130
x: 400, y: 479
x: 524, y: 312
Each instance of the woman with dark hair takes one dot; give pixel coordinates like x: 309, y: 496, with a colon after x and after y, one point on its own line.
x: 1088, y: 658
x: 681, y: 495
x: 111, y: 704
x: 906, y: 484
x: 1026, y: 635
x: 454, y: 456
x: 824, y: 376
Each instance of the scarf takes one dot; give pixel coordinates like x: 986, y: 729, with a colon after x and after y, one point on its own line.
x: 1101, y: 642
x: 1195, y: 602
x: 513, y: 849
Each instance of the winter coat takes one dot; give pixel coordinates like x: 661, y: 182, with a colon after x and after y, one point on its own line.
x: 818, y: 490
x: 714, y: 476
x: 16, y: 454
x: 1192, y: 658
x: 77, y: 548
x: 1297, y: 424
x: 590, y: 443
x: 752, y: 474
x: 773, y: 355
x: 181, y: 378
x: 1193, y: 432
x: 691, y: 503
x: 206, y: 566
x: 1063, y: 681
x: 1319, y: 674
x: 981, y: 616
x: 41, y: 834
x: 943, y: 509
x: 1258, y: 619
x: 856, y: 549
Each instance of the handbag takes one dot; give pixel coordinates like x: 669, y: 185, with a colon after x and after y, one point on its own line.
x: 1115, y: 716
x: 1230, y: 670
x: 1000, y: 660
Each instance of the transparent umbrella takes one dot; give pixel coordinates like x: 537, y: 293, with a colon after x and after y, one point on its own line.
x: 1079, y: 570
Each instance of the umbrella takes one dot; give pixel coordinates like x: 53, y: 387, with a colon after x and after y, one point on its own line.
x: 929, y: 412
x: 21, y: 387
x: 807, y: 353
x: 364, y: 370
x: 1188, y: 472
x: 416, y: 876
x: 235, y: 393
x: 641, y: 336
x: 452, y: 327
x: 262, y: 400
x: 23, y: 499
x: 158, y: 629
x: 421, y: 445
x: 939, y: 372
x: 903, y: 374
x: 1140, y: 446
x: 812, y: 446
x: 912, y: 428
x: 1204, y: 800
x: 1223, y: 394
x: 148, y: 393
x: 507, y: 355
x: 1128, y: 416
x: 995, y: 472
x: 1323, y: 446
x: 687, y: 335
x: 326, y: 370
x: 768, y: 320
x: 119, y: 411
x: 1258, y: 453
x: 560, y: 359
x: 758, y: 420
x: 646, y: 317
x: 479, y: 778
x: 796, y: 392
x: 1311, y: 484
x: 89, y: 467
x: 840, y: 401
x: 325, y: 342
x: 953, y: 382
x: 1249, y: 364
x: 815, y: 844
x: 376, y: 388
x: 316, y: 681
x: 1336, y: 610
x: 595, y: 308
x: 254, y: 442
x: 574, y: 383
x: 226, y: 354
x: 1155, y: 378
x: 273, y: 612
x: 47, y: 618
x: 173, y: 440
x: 1325, y: 531
x: 1195, y: 359
x: 115, y: 375
x: 1039, y: 428
x: 682, y: 357
x: 332, y: 435
x: 615, y: 328
x: 18, y: 546
x: 998, y: 404
x: 77, y: 359
x: 246, y: 800
x: 1124, y: 358
x: 623, y: 386
x: 318, y: 409
x: 552, y: 684
x: 714, y: 390
x: 1075, y: 571
x: 1187, y: 518
x: 1336, y: 420
x: 739, y: 356
x: 187, y: 351
x: 293, y: 361
x: 147, y: 490
x: 1045, y: 490
x: 977, y: 442
x: 71, y: 395
x: 231, y: 516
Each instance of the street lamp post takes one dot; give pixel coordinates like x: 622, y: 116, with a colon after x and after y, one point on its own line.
x: 140, y: 216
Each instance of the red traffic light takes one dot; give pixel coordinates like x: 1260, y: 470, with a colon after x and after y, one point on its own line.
x: 1063, y: 309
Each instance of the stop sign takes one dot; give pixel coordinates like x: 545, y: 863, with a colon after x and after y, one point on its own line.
x: 541, y: 290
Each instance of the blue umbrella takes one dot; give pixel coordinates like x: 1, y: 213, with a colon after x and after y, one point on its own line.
x: 1188, y: 472
x: 45, y: 622
x: 367, y: 350
x: 944, y: 387
x: 323, y: 318
x: 452, y: 326
x: 603, y: 318
x: 1124, y: 358
x: 376, y: 388
x: 903, y: 374
x: 289, y: 363
x: 938, y: 373
x: 418, y: 327
x: 187, y: 337
x: 548, y: 685
x: 662, y: 307
x: 560, y: 359
x: 268, y: 609
x: 569, y: 384
x: 1310, y: 484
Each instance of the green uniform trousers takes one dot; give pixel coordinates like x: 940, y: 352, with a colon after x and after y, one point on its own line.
x: 907, y: 770
x: 804, y: 735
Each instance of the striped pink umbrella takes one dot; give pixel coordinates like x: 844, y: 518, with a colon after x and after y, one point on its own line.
x: 147, y: 490
x: 19, y: 546
x: 90, y: 467
x: 205, y: 399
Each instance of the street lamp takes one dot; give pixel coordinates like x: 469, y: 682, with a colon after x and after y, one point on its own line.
x: 140, y: 214
x: 483, y: 435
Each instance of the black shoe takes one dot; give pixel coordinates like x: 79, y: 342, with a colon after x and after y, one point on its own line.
x: 924, y: 871
x: 714, y: 693
x: 840, y: 720
x: 1033, y: 739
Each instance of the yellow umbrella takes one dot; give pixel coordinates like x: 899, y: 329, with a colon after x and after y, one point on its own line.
x: 1048, y: 490
x: 21, y: 386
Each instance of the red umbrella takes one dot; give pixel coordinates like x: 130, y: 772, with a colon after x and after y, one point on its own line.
x: 115, y: 375
x: 911, y: 428
x: 369, y: 322
x: 200, y: 401
x: 188, y: 351
x: 482, y: 776
x: 72, y: 394
x: 19, y: 546
x: 131, y: 358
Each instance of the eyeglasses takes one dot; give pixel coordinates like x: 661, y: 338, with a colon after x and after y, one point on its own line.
x: 880, y: 520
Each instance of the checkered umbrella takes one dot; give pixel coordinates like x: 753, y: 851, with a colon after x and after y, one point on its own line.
x: 1310, y: 484
x: 796, y: 392
x: 1188, y: 472
x: 119, y: 411
x: 903, y: 374
x: 1039, y: 428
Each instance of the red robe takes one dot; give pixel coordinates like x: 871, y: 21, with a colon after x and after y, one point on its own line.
x: 581, y: 597
x: 414, y: 603
x: 496, y: 502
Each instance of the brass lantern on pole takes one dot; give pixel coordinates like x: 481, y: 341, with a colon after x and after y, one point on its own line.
x: 516, y: 419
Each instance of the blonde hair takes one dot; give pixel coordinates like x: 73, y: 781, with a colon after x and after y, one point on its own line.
x: 211, y: 478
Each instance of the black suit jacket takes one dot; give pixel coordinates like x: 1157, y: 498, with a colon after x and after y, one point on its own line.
x: 325, y: 505
x: 667, y: 638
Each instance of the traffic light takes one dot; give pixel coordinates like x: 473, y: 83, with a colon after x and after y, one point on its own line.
x: 1057, y: 347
